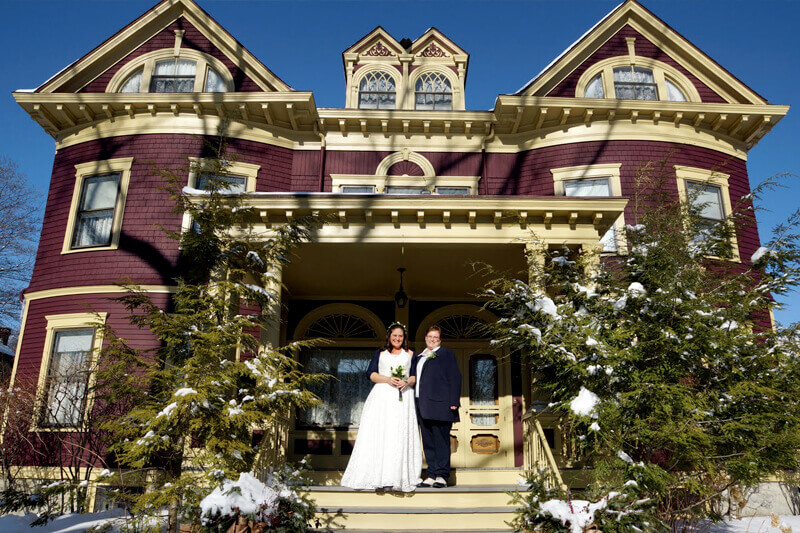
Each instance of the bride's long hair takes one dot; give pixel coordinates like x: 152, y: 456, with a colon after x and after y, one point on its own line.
x: 388, y: 345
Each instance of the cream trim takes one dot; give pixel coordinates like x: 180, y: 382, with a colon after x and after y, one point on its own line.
x: 86, y: 170
x: 660, y: 70
x: 610, y: 171
x: 23, y: 322
x: 449, y: 310
x: 381, y: 182
x: 249, y: 171
x: 405, y: 155
x: 57, y: 323
x: 93, y: 289
x: 711, y: 177
x: 147, y: 62
x: 368, y: 316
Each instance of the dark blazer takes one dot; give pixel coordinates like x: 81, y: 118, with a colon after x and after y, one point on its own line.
x: 440, y: 386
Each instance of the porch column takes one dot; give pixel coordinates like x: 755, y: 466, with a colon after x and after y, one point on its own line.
x: 271, y: 338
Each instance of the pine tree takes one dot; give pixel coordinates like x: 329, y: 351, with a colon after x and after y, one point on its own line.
x: 663, y: 362
x: 196, y: 400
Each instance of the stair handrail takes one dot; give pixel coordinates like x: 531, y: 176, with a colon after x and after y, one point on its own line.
x: 538, y: 454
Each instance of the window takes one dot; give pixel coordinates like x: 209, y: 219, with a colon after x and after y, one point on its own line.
x: 452, y: 190
x: 634, y: 83
x: 173, y: 76
x: 593, y: 180
x: 233, y: 184
x: 98, y: 202
x: 343, y: 396
x: 161, y: 71
x: 357, y: 189
x: 433, y: 92
x: 595, y: 88
x: 67, y: 379
x: 394, y: 189
x: 96, y: 211
x: 707, y: 190
x: 594, y: 187
x: 483, y: 389
x: 376, y: 91
x: 634, y: 77
x: 65, y: 374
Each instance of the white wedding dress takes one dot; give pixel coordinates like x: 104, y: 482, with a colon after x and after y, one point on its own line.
x: 387, y: 452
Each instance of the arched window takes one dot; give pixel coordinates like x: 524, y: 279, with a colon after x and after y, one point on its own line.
x: 595, y: 88
x: 161, y: 71
x: 377, y: 91
x: 674, y: 94
x: 433, y: 92
x: 643, y: 79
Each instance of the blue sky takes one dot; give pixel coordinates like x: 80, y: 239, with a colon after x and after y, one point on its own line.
x: 509, y: 42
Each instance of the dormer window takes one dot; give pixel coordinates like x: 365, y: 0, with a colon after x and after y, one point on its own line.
x: 162, y: 71
x: 634, y: 83
x: 433, y: 92
x: 377, y: 91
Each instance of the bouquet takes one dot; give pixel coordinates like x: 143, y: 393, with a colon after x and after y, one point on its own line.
x: 399, y: 372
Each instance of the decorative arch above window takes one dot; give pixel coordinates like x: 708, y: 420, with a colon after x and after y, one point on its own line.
x: 635, y: 78
x: 433, y: 92
x: 162, y: 71
x: 377, y: 90
x: 340, y: 322
x: 459, y: 322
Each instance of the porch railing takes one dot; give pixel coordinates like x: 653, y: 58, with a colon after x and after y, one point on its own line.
x: 538, y: 456
x: 273, y: 449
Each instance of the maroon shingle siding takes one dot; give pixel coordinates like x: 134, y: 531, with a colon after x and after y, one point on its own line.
x: 192, y: 39
x: 145, y: 254
x: 616, y: 46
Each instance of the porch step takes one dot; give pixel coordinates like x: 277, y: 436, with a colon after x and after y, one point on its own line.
x: 452, y: 509
x: 461, y: 476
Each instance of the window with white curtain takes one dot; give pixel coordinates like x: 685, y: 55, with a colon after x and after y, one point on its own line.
x: 433, y: 92
x: 635, y: 83
x: 134, y: 83
x: 674, y: 94
x: 173, y: 76
x: 95, y: 217
x: 214, y: 82
x: 343, y: 396
x: 594, y: 187
x: 377, y: 91
x: 401, y: 189
x: 67, y: 378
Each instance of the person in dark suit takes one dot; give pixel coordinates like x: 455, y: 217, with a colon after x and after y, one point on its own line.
x: 437, y: 385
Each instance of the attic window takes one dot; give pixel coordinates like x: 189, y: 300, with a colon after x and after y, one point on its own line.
x: 433, y: 92
x: 635, y: 83
x: 637, y: 78
x: 162, y: 72
x: 377, y: 91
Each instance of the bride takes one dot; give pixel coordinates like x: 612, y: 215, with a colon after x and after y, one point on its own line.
x: 387, y: 452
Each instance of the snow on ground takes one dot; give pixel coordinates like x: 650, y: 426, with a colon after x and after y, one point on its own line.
x: 758, y: 524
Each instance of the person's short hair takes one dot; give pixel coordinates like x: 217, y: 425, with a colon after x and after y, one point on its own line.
x: 434, y: 327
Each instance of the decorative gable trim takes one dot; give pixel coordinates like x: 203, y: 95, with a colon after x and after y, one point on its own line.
x: 377, y: 43
x: 655, y: 30
x: 84, y: 70
x: 434, y: 43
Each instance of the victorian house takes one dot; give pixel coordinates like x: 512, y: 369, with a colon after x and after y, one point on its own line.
x: 415, y: 185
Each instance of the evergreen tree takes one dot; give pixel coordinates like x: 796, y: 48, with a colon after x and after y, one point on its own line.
x: 663, y: 362
x: 196, y: 400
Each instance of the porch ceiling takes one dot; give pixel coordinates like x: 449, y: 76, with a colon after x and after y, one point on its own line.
x: 351, y: 271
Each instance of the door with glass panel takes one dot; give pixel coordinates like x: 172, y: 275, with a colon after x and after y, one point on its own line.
x: 484, y: 436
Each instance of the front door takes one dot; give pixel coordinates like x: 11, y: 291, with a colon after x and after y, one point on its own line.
x: 484, y: 436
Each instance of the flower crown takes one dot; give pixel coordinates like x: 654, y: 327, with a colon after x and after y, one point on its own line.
x: 396, y: 325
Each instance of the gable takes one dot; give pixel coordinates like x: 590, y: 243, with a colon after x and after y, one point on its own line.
x: 434, y: 43
x: 712, y: 81
x: 193, y: 39
x: 617, y: 46
x: 155, y: 30
x: 377, y: 43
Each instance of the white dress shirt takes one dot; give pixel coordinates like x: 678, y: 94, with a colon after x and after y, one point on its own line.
x: 423, y: 357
